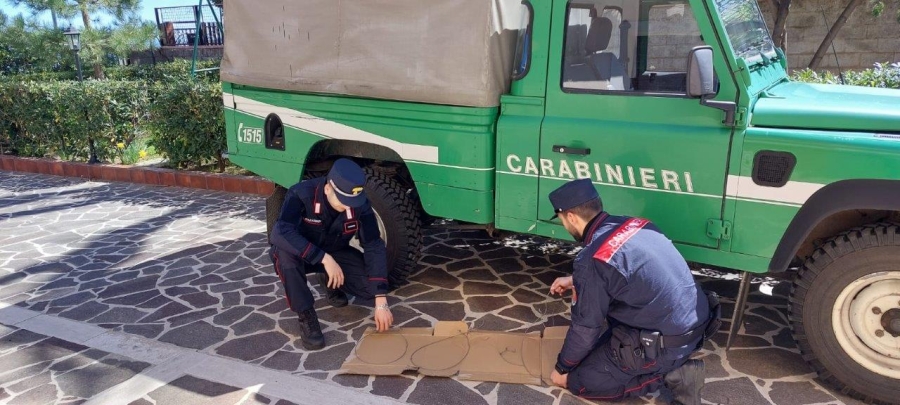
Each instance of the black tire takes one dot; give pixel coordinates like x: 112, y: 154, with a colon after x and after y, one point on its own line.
x: 839, y: 262
x: 403, y: 229
x: 273, y: 208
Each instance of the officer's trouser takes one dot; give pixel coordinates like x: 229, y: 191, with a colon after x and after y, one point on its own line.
x: 601, y: 376
x: 292, y: 270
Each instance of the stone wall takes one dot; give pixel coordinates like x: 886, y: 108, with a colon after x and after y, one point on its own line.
x: 672, y: 33
x: 863, y: 41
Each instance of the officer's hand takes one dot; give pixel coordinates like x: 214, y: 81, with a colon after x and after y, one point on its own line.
x: 383, y: 317
x: 561, y: 380
x: 335, y: 273
x: 561, y: 285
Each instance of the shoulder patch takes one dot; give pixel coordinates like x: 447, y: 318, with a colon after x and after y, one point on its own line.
x: 618, y: 237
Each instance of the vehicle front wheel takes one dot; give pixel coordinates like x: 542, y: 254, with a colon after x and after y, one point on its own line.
x: 845, y: 312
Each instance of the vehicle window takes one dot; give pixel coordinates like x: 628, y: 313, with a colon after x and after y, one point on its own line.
x: 746, y: 30
x: 671, y: 34
x: 522, y: 60
x: 626, y: 46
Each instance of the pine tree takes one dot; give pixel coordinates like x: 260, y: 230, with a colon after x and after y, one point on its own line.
x: 94, y: 39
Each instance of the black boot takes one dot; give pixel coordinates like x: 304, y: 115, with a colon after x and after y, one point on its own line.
x: 686, y: 382
x: 311, y: 331
x: 336, y: 298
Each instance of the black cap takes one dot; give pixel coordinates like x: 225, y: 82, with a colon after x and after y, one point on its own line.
x: 571, y: 195
x: 348, y: 182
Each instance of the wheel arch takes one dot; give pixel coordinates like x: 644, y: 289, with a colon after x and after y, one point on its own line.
x: 379, y: 157
x: 834, y: 208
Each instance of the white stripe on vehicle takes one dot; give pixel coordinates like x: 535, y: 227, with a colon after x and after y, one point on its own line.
x: 477, y: 169
x: 228, y: 100
x: 794, y: 192
x: 658, y: 190
x: 765, y: 202
x: 333, y: 130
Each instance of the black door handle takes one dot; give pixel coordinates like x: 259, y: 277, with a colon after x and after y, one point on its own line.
x: 571, y: 151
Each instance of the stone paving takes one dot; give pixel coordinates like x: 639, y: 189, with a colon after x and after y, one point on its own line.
x: 38, y: 369
x: 189, y: 268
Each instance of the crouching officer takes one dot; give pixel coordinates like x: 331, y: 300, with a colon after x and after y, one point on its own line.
x: 312, y: 235
x: 637, y: 313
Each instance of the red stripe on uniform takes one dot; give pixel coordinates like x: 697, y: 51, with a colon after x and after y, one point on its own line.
x: 278, y: 271
x: 317, y: 208
x: 618, y: 238
x: 626, y: 391
x: 377, y: 279
x: 305, y: 251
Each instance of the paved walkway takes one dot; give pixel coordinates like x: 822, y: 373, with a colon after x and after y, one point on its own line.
x: 119, y: 293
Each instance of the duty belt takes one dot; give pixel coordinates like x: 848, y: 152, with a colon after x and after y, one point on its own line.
x: 704, y: 330
x: 666, y: 341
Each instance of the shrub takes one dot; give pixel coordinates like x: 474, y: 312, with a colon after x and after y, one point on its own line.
x: 884, y: 75
x: 41, y: 77
x: 182, y: 118
x: 118, y: 110
x: 63, y: 118
x: 187, y: 123
x: 163, y: 72
x: 23, y: 118
x: 137, y: 151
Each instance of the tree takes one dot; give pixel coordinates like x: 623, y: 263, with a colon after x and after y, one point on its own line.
x: 877, y: 10
x: 122, y: 10
x: 55, y: 7
x: 27, y: 46
x: 779, y: 33
x: 130, y: 36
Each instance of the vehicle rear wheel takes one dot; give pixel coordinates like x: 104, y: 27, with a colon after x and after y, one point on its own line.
x: 399, y: 223
x: 845, y: 312
x: 273, y: 207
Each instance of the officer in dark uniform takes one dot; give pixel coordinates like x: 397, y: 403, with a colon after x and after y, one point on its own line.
x: 312, y: 235
x: 637, y: 313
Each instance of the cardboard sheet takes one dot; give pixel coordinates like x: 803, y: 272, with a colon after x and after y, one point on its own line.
x: 451, y: 349
x: 551, y: 345
x: 435, y: 352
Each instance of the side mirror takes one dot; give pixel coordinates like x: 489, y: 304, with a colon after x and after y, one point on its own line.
x: 701, y: 77
x: 701, y: 82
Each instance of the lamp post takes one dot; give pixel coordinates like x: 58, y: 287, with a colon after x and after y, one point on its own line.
x: 74, y: 38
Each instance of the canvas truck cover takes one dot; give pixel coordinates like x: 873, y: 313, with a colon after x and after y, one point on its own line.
x: 453, y: 52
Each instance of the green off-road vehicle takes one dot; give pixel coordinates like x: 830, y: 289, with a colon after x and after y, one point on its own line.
x: 680, y: 111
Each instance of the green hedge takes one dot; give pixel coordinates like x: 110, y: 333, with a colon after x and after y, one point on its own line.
x: 41, y: 77
x: 884, y: 75
x: 187, y: 122
x: 61, y: 118
x: 182, y: 118
x: 175, y: 70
